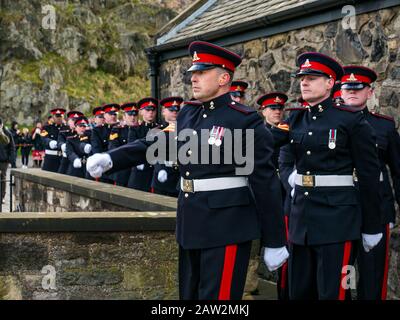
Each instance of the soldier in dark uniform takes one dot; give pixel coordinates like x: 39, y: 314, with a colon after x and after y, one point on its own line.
x: 119, y: 136
x: 220, y: 208
x: 98, y: 114
x: 166, y: 174
x: 49, y: 136
x: 78, y: 148
x: 327, y: 216
x: 100, y: 134
x: 373, y: 265
x: 141, y: 175
x: 238, y: 91
x: 62, y: 139
x: 271, y: 107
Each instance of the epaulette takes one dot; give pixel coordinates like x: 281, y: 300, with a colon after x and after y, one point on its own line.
x: 345, y: 107
x: 170, y: 128
x: 283, y: 126
x: 378, y: 115
x: 44, y: 133
x: 83, y: 138
x: 241, y: 107
x: 296, y: 109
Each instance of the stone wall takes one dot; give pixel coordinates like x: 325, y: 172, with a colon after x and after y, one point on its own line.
x: 269, y: 62
x: 41, y: 191
x: 37, y: 263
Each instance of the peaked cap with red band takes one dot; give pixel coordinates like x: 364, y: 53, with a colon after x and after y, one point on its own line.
x: 206, y: 56
x: 273, y: 100
x: 81, y: 120
x: 74, y: 114
x: 98, y: 111
x: 111, y: 108
x: 314, y: 63
x: 129, y: 106
x: 57, y: 112
x: 148, y: 103
x: 238, y: 87
x: 172, y: 103
x: 357, y: 77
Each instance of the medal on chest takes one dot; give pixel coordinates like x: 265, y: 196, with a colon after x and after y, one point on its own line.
x: 216, y: 135
x: 332, y: 139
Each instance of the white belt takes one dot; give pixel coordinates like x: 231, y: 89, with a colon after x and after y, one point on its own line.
x: 324, y: 181
x: 51, y: 152
x: 213, y: 184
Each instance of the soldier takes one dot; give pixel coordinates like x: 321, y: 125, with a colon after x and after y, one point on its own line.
x: 329, y: 141
x: 62, y: 139
x: 238, y: 91
x: 166, y: 174
x: 141, y: 176
x: 119, y: 136
x: 98, y: 114
x: 217, y: 215
x: 100, y: 134
x: 373, y: 265
x: 49, y: 136
x: 78, y: 148
x: 271, y: 107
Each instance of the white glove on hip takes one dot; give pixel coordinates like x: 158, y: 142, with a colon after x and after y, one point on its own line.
x: 140, y: 167
x: 53, y: 144
x: 63, y: 147
x: 275, y: 257
x: 162, y: 176
x: 77, y: 163
x: 370, y: 240
x: 87, y: 148
x: 98, y: 163
x: 292, y: 177
x: 391, y: 225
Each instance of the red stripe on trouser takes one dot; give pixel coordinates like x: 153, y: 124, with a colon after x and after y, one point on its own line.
x: 285, y: 265
x: 152, y: 190
x: 346, y: 260
x: 227, y: 272
x: 385, y: 275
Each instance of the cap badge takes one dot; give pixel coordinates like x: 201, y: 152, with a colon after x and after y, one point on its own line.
x: 277, y: 100
x: 352, y: 78
x: 195, y: 57
x: 174, y: 103
x: 238, y: 88
x: 306, y: 64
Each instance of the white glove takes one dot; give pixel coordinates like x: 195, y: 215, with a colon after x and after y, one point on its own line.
x: 162, y: 176
x: 140, y: 167
x: 63, y: 147
x: 98, y: 163
x: 370, y: 240
x: 292, y: 177
x: 53, y: 144
x: 275, y: 257
x: 37, y: 130
x: 77, y: 163
x: 87, y: 148
x: 391, y: 225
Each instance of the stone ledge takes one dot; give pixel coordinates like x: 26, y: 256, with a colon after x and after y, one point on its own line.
x: 125, y: 197
x: 87, y: 221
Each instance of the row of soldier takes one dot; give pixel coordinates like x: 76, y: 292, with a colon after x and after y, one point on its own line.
x: 324, y: 216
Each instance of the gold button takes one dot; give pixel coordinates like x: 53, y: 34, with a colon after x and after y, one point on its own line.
x: 308, y: 173
x: 233, y: 102
x: 204, y: 116
x: 187, y: 173
x: 189, y: 152
x: 194, y: 133
x: 314, y: 118
x: 308, y: 152
x: 186, y: 195
x: 310, y: 133
x: 306, y: 193
x: 291, y: 141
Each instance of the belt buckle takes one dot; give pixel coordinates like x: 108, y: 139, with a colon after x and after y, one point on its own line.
x: 187, y: 186
x: 308, y: 181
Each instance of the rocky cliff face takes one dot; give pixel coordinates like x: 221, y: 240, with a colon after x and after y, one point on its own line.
x: 93, y: 55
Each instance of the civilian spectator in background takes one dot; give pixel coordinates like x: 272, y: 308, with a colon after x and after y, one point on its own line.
x: 7, y: 154
x: 15, y: 134
x: 38, y: 145
x: 26, y: 147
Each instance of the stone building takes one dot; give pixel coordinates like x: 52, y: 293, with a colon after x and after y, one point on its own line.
x: 269, y: 34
